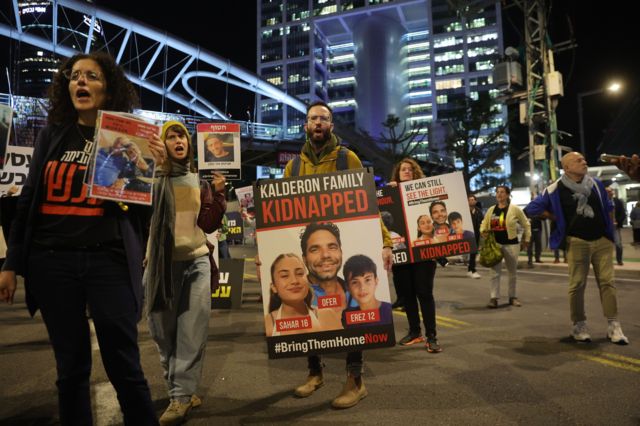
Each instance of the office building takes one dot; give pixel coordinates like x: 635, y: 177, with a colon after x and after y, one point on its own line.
x: 371, y: 58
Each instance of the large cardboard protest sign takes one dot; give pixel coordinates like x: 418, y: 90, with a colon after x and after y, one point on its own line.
x: 324, y: 287
x: 428, y: 218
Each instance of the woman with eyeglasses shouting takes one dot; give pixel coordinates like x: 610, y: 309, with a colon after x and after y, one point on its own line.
x: 78, y: 253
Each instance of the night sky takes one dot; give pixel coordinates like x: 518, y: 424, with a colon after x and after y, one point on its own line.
x: 604, y: 51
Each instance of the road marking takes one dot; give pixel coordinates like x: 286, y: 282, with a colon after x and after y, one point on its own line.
x: 94, y: 340
x: 455, y: 321
x: 442, y: 321
x: 624, y: 363
x: 566, y: 274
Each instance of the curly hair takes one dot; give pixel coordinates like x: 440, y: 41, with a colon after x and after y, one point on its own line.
x: 417, y: 170
x: 120, y: 93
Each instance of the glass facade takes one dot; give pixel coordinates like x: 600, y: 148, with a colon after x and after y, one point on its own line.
x: 446, y: 56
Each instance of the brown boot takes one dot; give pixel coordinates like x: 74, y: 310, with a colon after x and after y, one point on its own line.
x: 314, y: 382
x: 352, y: 392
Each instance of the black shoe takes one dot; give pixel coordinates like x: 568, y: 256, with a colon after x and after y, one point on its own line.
x: 432, y: 345
x: 398, y: 304
x: 493, y: 303
x: 411, y: 339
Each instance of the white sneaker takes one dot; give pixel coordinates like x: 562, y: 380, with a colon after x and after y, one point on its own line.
x: 580, y: 332
x: 476, y: 275
x: 470, y: 274
x: 614, y: 333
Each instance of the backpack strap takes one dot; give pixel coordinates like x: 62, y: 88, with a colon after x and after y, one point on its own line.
x: 341, y: 162
x: 295, y: 166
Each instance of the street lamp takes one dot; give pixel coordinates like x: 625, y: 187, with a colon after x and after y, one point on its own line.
x: 614, y: 87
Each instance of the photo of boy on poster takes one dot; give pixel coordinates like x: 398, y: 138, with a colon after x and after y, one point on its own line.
x: 360, y: 274
x: 322, y: 245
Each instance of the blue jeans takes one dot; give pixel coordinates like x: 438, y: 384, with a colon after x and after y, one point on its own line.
x: 181, y: 331
x: 65, y: 283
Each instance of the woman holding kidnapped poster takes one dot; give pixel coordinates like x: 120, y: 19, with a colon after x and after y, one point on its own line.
x: 416, y: 279
x: 179, y: 276
x: 78, y: 253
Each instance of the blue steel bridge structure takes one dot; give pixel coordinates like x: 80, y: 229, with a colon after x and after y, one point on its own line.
x: 155, y: 61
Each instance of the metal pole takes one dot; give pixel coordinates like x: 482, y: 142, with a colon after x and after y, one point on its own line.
x: 580, y: 118
x: 581, y: 124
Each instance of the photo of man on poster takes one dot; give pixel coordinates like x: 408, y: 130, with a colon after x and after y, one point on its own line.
x: 322, y: 254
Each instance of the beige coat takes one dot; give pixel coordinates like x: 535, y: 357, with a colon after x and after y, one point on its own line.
x: 514, y: 215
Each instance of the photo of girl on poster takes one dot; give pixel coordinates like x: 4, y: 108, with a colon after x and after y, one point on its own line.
x: 290, y: 298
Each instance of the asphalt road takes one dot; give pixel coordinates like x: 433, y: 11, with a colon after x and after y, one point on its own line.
x: 499, y: 367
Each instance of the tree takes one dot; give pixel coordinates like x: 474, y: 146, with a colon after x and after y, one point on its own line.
x: 475, y: 142
x: 403, y: 143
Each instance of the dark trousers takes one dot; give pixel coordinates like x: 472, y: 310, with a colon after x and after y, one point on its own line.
x: 472, y: 256
x: 535, y: 243
x: 416, y: 280
x: 65, y: 284
x: 223, y: 250
x: 354, y: 364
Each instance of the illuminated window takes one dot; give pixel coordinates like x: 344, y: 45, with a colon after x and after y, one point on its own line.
x: 448, y: 84
x: 441, y: 99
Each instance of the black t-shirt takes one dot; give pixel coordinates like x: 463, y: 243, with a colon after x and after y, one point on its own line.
x: 499, y: 226
x: 67, y: 217
x: 586, y: 228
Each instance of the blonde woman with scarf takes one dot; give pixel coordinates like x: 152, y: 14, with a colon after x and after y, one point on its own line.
x: 179, y: 269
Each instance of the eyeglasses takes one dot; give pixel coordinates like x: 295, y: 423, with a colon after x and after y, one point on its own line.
x: 72, y: 75
x: 321, y: 118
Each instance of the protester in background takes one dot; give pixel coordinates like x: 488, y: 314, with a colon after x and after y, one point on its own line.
x: 179, y: 269
x: 223, y: 243
x: 78, y: 253
x: 476, y: 220
x: 619, y: 216
x: 635, y: 223
x: 502, y: 219
x: 416, y: 279
x: 536, y: 239
x: 581, y: 210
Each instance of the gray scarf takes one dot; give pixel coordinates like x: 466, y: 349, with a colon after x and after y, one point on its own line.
x: 159, y: 289
x: 581, y: 192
